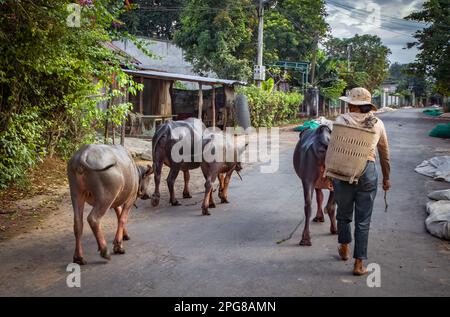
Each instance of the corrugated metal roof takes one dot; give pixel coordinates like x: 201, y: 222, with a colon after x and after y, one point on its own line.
x: 191, y: 78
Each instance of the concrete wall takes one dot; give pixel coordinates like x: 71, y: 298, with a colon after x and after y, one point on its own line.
x: 170, y: 58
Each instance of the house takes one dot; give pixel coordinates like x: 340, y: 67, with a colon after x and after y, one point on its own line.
x: 172, y: 90
x: 388, y: 89
x: 160, y: 100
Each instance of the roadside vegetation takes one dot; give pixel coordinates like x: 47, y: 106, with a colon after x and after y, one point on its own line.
x: 53, y: 76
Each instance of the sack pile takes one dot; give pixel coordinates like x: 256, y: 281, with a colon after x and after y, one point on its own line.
x: 438, y: 220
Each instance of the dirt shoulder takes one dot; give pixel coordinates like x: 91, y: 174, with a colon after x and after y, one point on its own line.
x: 25, y: 205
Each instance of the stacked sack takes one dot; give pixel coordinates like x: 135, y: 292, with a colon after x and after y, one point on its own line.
x: 438, y: 220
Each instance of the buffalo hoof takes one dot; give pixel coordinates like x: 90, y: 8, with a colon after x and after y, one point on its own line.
x: 318, y: 219
x: 79, y: 260
x: 205, y: 212
x: 333, y: 230
x: 155, y: 201
x: 105, y: 254
x: 126, y: 237
x: 224, y: 201
x: 175, y: 203
x: 187, y: 195
x: 305, y: 242
x: 212, y: 205
x: 118, y: 249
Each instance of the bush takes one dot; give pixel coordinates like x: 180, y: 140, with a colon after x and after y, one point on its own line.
x: 269, y: 108
x: 51, y: 80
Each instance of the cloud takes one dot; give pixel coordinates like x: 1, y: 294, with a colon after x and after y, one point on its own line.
x: 377, y: 17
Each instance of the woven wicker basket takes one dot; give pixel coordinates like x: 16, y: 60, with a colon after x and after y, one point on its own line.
x: 347, y: 152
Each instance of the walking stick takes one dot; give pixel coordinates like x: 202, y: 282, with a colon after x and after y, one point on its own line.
x: 385, y: 201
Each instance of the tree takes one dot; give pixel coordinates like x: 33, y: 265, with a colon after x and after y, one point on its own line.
x: 154, y: 18
x: 433, y: 43
x: 368, y: 59
x: 216, y: 35
x: 52, y: 77
x: 291, y: 27
x: 221, y: 36
x: 327, y: 77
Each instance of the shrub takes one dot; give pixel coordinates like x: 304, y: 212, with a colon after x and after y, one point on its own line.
x: 51, y: 80
x: 269, y: 108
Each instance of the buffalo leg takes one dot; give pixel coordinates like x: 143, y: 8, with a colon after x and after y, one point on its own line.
x: 319, y: 198
x: 223, y: 194
x: 170, y: 183
x: 156, y: 195
x: 120, y: 234
x: 212, y: 204
x: 94, y: 219
x: 308, y: 190
x: 187, y: 176
x: 330, y: 209
x: 221, y: 177
x: 208, y: 192
x: 78, y: 209
x: 118, y: 211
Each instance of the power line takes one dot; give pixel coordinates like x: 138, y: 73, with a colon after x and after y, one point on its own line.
x: 211, y: 9
x: 383, y: 17
x: 378, y: 26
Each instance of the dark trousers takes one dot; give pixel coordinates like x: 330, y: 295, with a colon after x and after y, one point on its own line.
x: 358, y: 198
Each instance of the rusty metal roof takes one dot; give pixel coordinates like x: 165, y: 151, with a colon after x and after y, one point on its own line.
x: 191, y: 78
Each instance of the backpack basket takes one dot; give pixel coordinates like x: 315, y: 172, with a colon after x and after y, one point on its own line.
x: 347, y: 152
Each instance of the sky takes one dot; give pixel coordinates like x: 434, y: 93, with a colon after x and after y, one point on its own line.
x: 377, y: 17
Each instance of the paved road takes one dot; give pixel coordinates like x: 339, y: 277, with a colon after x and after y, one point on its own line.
x: 177, y: 252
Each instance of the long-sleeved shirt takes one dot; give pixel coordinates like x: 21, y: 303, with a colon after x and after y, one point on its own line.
x: 368, y: 120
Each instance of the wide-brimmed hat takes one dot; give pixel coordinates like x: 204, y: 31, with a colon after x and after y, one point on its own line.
x: 359, y: 97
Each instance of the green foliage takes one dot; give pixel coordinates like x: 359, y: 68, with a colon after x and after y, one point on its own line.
x: 327, y: 75
x: 216, y: 36
x: 52, y: 78
x: 408, y: 79
x: 179, y: 85
x: 268, y: 85
x: 290, y: 28
x: 433, y: 43
x: 368, y: 60
x: 154, y: 18
x: 22, y: 145
x: 269, y: 108
x: 335, y: 90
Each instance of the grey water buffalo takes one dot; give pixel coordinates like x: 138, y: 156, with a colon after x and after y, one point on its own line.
x: 188, y: 132
x: 219, y: 166
x: 309, y: 164
x: 104, y: 176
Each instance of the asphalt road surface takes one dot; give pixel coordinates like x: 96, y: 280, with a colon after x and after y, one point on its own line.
x: 174, y: 251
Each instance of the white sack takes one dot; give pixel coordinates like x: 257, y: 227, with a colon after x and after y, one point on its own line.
x: 437, y: 167
x: 440, y: 194
x: 438, y: 221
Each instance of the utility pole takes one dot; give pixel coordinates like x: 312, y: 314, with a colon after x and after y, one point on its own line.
x: 260, y: 71
x: 349, y: 46
x: 314, y: 58
x: 312, y: 106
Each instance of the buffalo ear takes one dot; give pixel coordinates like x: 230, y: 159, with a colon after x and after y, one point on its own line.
x: 149, y: 170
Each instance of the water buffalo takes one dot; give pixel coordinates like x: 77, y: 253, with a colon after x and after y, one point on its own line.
x: 221, y: 167
x: 309, y: 164
x: 104, y: 176
x: 167, y: 135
